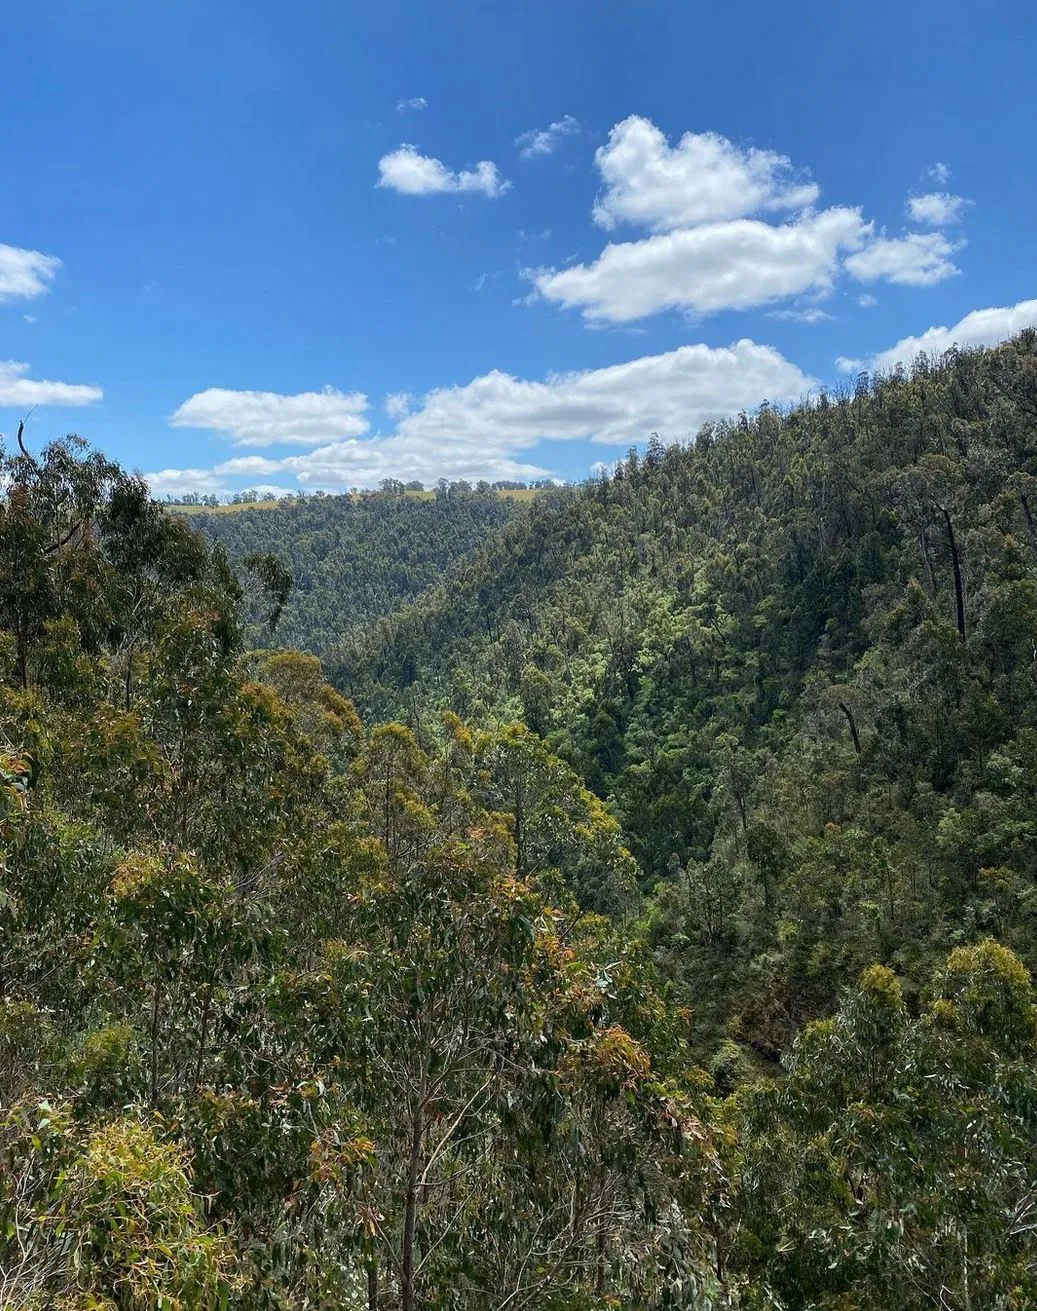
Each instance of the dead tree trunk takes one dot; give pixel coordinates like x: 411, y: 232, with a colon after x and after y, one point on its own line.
x: 853, y: 726
x: 959, y: 593
x: 1028, y: 516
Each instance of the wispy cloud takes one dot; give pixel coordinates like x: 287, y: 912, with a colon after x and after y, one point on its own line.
x: 544, y: 141
x: 415, y: 103
x: 810, y: 314
x: 397, y: 404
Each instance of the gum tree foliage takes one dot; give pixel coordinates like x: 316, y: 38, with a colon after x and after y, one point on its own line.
x: 286, y: 1019
x: 657, y: 934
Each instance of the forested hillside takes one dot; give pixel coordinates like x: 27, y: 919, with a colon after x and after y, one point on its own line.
x: 797, y: 660
x: 353, y: 560
x: 673, y: 953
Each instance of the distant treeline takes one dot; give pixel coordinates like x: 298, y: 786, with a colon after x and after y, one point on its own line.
x: 387, y: 487
x: 356, y: 559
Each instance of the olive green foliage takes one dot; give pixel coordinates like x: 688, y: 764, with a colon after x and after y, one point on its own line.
x: 352, y: 560
x: 644, y: 919
x: 750, y: 649
x: 894, y: 1167
x: 296, y: 1014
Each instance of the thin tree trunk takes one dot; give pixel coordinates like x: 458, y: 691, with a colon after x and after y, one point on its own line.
x: 410, y: 1215
x: 129, y: 674
x: 959, y: 594
x: 1028, y: 517
x: 22, y: 645
x: 372, y: 1286
x: 154, y: 1039
x: 520, y: 839
x: 853, y: 726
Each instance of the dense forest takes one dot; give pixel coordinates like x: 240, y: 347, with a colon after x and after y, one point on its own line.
x: 354, y: 560
x: 797, y: 662
x: 637, y: 913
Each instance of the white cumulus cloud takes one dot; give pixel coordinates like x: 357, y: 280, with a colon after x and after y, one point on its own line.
x: 984, y: 327
x: 703, y: 179
x: 175, y: 482
x: 921, y: 259
x: 848, y: 363
x: 672, y: 394
x: 940, y: 173
x: 20, y: 391
x: 415, y: 103
x: 483, y: 429
x: 714, y: 243
x: 732, y: 265
x: 25, y: 274
x: 263, y: 418
x: 412, y: 174
x: 543, y: 141
x: 365, y: 463
x: 936, y: 208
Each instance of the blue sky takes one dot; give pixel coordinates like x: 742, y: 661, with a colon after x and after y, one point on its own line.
x: 314, y: 244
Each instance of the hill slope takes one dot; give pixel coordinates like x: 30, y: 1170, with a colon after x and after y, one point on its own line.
x: 295, y: 1012
x: 355, y: 559
x: 797, y: 660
